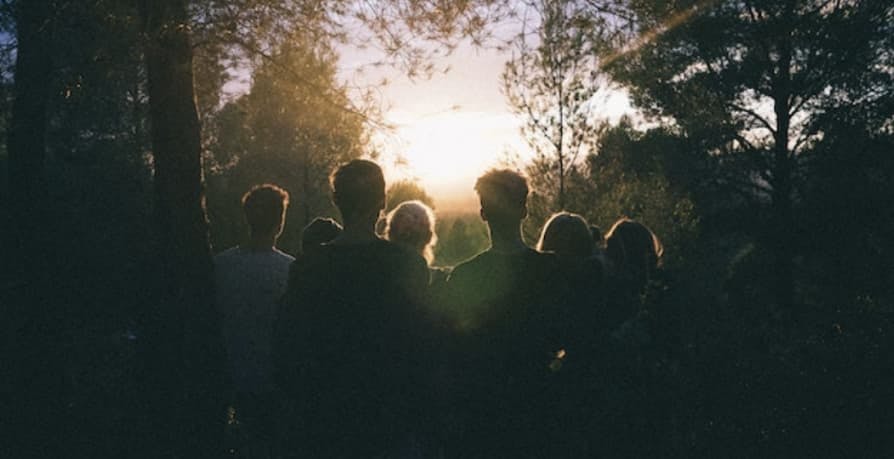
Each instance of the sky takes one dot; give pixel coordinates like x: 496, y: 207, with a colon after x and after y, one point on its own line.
x: 450, y: 128
x: 447, y: 128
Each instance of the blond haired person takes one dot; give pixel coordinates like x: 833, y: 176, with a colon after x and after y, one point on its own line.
x: 412, y: 225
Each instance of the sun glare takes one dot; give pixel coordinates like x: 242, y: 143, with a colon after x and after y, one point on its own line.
x: 447, y: 151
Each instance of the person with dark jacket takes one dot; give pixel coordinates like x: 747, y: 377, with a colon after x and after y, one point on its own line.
x: 350, y: 343
x: 505, y: 311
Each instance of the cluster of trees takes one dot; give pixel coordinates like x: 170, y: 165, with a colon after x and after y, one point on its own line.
x: 760, y: 153
x: 286, y: 132
x: 742, y: 108
x: 117, y: 121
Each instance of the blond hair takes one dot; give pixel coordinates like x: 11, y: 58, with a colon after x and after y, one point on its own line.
x: 412, y: 224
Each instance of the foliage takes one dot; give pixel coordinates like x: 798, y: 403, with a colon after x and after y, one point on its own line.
x: 722, y: 70
x: 845, y: 219
x: 406, y: 33
x: 282, y: 132
x: 629, y: 178
x: 757, y: 86
x: 406, y: 190
x: 711, y: 174
x: 460, y: 237
x: 552, y: 86
x: 635, y: 175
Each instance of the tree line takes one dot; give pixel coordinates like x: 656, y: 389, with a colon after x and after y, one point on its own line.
x: 760, y: 154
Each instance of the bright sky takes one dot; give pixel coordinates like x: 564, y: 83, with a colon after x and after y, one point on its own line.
x: 455, y: 125
x: 447, y: 151
x: 449, y: 128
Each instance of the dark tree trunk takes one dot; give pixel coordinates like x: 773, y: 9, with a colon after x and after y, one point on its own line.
x: 177, y: 151
x: 26, y: 142
x: 782, y: 237
x: 560, y: 149
x: 182, y: 335
x: 35, y: 317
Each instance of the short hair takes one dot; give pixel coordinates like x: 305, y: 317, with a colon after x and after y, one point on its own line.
x: 265, y: 207
x: 566, y: 234
x: 412, y: 224
x: 319, y: 231
x: 358, y: 186
x: 502, y: 190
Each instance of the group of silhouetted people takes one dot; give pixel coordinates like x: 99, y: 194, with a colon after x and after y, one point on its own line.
x: 360, y: 348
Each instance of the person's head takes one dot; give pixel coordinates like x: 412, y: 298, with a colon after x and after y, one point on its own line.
x: 412, y: 224
x: 566, y: 235
x: 504, y: 197
x: 634, y: 249
x: 358, y: 190
x: 265, y: 210
x: 319, y: 231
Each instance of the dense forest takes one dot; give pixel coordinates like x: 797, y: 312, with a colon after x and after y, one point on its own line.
x: 761, y: 154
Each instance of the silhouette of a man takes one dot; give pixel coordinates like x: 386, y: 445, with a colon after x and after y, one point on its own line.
x: 346, y: 346
x: 503, y: 300
x: 250, y: 279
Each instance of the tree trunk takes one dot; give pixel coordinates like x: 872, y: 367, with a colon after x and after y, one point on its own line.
x: 183, y: 334
x: 782, y: 236
x: 561, y: 180
x: 35, y: 315
x: 560, y: 148
x: 26, y: 141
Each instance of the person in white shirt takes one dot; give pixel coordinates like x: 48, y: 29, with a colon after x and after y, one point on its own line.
x: 250, y: 279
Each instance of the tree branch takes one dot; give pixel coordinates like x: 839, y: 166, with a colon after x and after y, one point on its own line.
x: 760, y: 119
x: 319, y: 92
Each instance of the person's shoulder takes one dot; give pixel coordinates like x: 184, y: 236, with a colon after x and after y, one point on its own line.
x: 525, y: 258
x: 540, y: 257
x: 543, y: 268
x: 471, y: 265
x: 547, y: 260
x: 282, y: 257
x: 440, y: 272
x: 226, y: 255
x: 314, y: 256
x: 478, y: 259
x: 393, y: 250
x: 228, y: 252
x: 387, y: 246
x: 280, y: 261
x: 311, y: 266
x: 404, y: 256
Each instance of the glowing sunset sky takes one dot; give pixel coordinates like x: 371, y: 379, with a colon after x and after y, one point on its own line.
x: 453, y: 126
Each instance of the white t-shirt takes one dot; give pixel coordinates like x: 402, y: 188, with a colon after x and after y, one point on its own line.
x: 249, y: 284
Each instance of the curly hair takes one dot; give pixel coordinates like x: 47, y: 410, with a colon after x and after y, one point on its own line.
x: 502, y: 190
x: 412, y: 224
